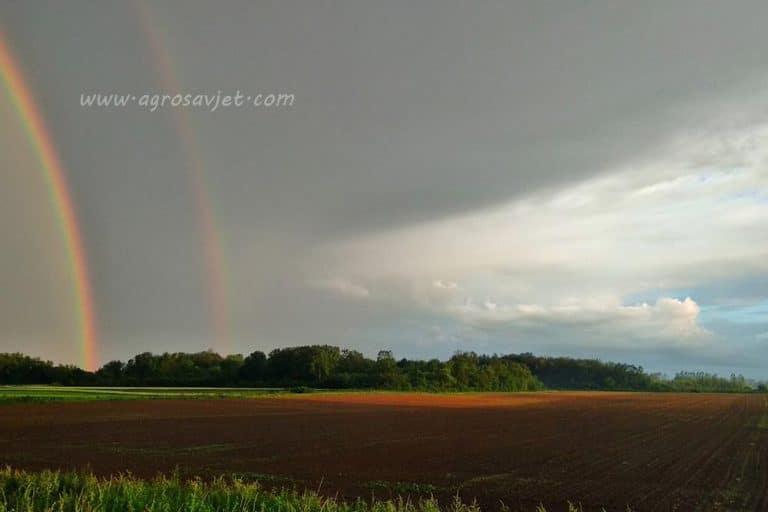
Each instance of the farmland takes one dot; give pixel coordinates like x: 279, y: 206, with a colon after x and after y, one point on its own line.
x: 39, y: 394
x: 650, y: 451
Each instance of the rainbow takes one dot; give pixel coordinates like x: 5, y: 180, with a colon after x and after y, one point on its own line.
x: 211, y: 245
x: 56, y: 181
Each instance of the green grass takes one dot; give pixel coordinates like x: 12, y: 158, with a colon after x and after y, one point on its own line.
x: 34, y: 394
x: 404, y: 488
x: 54, y: 491
x: 82, y: 492
x: 10, y: 394
x: 265, y: 478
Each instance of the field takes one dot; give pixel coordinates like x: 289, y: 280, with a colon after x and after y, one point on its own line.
x: 31, y: 394
x: 651, y: 451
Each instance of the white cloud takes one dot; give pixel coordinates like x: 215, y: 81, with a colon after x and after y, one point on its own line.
x: 445, y: 285
x: 342, y: 287
x: 668, y: 320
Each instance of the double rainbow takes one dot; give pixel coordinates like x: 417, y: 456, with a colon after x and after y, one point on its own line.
x: 55, y: 178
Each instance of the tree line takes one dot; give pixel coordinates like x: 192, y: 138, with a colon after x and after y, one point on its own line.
x: 592, y: 374
x: 330, y: 367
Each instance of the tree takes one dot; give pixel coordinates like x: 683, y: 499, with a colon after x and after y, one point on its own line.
x: 112, y: 372
x: 230, y: 368
x: 254, y: 367
x: 324, y: 360
x: 141, y: 368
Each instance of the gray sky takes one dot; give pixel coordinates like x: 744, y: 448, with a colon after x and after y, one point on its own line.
x: 580, y: 178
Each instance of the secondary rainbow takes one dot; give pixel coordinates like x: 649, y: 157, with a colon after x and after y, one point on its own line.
x: 211, y: 244
x: 55, y: 178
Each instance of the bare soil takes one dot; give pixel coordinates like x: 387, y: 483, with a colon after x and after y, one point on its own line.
x: 683, y: 452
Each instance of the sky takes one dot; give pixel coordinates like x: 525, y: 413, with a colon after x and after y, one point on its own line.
x: 565, y: 178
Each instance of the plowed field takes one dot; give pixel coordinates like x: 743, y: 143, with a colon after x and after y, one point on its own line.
x: 650, y: 451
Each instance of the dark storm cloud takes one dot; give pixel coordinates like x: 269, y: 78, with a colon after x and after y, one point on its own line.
x: 410, y: 112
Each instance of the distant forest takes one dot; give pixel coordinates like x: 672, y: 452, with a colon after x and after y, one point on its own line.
x: 329, y: 367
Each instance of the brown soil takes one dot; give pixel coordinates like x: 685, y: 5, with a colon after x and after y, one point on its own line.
x: 651, y: 451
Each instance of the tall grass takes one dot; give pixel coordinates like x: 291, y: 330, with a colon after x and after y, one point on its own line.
x: 56, y: 491
x: 83, y: 492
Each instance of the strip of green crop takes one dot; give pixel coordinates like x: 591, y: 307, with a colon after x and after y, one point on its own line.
x: 42, y: 394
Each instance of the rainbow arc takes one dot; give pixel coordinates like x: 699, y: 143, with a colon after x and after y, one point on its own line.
x: 55, y: 178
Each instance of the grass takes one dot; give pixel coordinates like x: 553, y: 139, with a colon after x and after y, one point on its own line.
x: 55, y: 491
x: 41, y: 394
x: 266, y: 478
x: 76, y: 492
x: 11, y: 394
x: 404, y: 488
